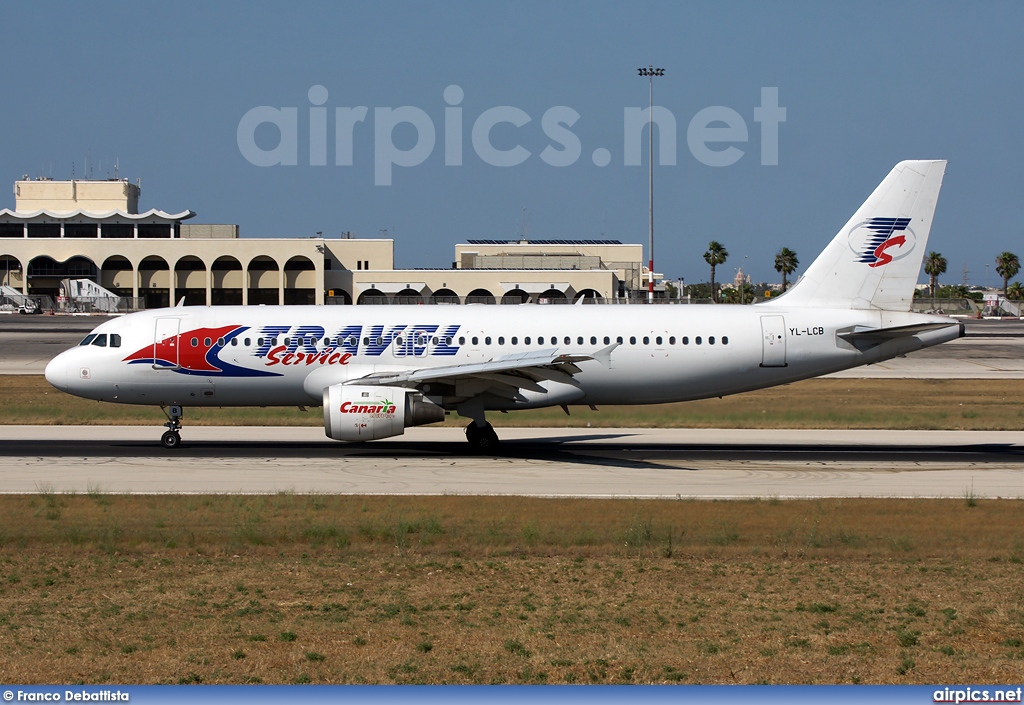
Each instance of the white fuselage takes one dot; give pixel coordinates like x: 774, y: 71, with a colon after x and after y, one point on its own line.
x: 287, y: 355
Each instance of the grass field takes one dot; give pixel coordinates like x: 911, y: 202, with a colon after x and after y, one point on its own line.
x: 821, y: 403
x: 326, y: 589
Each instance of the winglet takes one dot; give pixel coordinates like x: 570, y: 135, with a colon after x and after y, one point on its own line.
x: 604, y: 355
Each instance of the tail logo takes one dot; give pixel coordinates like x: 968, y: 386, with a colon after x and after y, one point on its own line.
x: 878, y: 241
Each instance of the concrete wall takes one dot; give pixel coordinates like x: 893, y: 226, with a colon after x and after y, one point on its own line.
x: 70, y: 196
x: 190, y: 231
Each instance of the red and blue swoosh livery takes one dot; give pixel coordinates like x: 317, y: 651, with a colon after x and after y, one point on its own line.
x: 178, y: 354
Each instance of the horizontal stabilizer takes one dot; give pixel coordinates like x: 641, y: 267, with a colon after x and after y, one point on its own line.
x: 862, y: 337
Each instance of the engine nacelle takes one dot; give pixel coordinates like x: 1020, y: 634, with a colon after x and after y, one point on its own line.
x: 359, y: 412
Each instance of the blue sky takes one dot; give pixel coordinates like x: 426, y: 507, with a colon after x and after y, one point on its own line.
x: 162, y: 88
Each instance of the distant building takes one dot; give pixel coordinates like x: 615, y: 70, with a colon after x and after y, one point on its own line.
x: 84, y: 229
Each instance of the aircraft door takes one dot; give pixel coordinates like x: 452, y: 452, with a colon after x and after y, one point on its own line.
x: 165, y: 344
x: 773, y: 337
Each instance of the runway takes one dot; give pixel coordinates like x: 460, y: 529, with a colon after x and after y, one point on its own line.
x: 641, y: 463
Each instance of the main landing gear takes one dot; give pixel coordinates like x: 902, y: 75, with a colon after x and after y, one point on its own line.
x: 482, y: 438
x: 171, y: 438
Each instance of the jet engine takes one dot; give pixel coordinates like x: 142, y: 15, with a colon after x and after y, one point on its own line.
x: 359, y: 412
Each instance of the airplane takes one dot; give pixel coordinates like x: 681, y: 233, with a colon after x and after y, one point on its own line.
x: 377, y: 370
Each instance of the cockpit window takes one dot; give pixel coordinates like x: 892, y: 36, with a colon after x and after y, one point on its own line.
x: 115, y: 340
x: 88, y: 339
x: 100, y: 340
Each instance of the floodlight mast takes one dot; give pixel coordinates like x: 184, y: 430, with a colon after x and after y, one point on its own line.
x: 650, y: 72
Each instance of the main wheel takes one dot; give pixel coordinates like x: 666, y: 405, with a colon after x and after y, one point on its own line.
x: 170, y: 439
x: 482, y: 439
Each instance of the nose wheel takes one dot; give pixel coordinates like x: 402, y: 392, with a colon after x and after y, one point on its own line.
x: 172, y: 437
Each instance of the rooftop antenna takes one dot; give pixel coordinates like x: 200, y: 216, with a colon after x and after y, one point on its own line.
x: 117, y: 165
x: 524, y: 228
x: 965, y: 273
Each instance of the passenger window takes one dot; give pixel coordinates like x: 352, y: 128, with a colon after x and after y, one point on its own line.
x: 686, y: 340
x: 567, y: 340
x: 234, y: 342
x: 647, y: 341
x: 593, y: 340
x: 462, y: 340
x: 434, y: 340
x: 725, y: 340
x: 206, y: 342
x: 476, y: 340
x: 515, y: 340
x: 220, y: 342
x: 607, y: 340
x: 632, y: 340
x: 448, y: 340
x: 711, y: 340
x: 248, y: 342
x: 487, y: 340
x: 619, y: 340
x: 195, y: 342
x: 273, y: 341
x: 287, y: 341
x: 115, y: 340
x: 398, y: 341
x: 88, y: 339
x: 658, y: 340
x: 366, y: 341
x: 579, y: 340
x: 259, y: 341
x: 100, y: 341
x: 540, y: 340
x: 501, y: 340
x: 380, y: 340
x: 671, y: 340
x: 526, y: 340
x: 697, y: 340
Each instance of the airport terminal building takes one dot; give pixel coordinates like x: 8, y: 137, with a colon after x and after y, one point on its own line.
x: 91, y: 233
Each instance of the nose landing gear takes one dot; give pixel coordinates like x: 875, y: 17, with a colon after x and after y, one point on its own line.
x: 171, y: 438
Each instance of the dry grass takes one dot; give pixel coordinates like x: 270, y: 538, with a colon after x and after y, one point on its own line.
x: 821, y: 403
x: 309, y: 588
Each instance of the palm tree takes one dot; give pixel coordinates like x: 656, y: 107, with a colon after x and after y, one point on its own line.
x: 1007, y: 266
x: 716, y: 255
x: 934, y: 265
x: 1015, y: 292
x: 786, y: 263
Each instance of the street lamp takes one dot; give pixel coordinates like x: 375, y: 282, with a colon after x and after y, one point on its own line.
x: 650, y: 72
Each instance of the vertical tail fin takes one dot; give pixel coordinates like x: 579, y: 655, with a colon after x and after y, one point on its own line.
x: 874, y: 261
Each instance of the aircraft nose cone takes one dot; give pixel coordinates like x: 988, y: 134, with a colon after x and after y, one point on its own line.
x: 57, y: 372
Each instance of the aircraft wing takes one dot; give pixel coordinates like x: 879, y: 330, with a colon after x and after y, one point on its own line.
x: 504, y: 375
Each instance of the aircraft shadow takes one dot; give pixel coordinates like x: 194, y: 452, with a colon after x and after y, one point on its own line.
x: 560, y: 449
